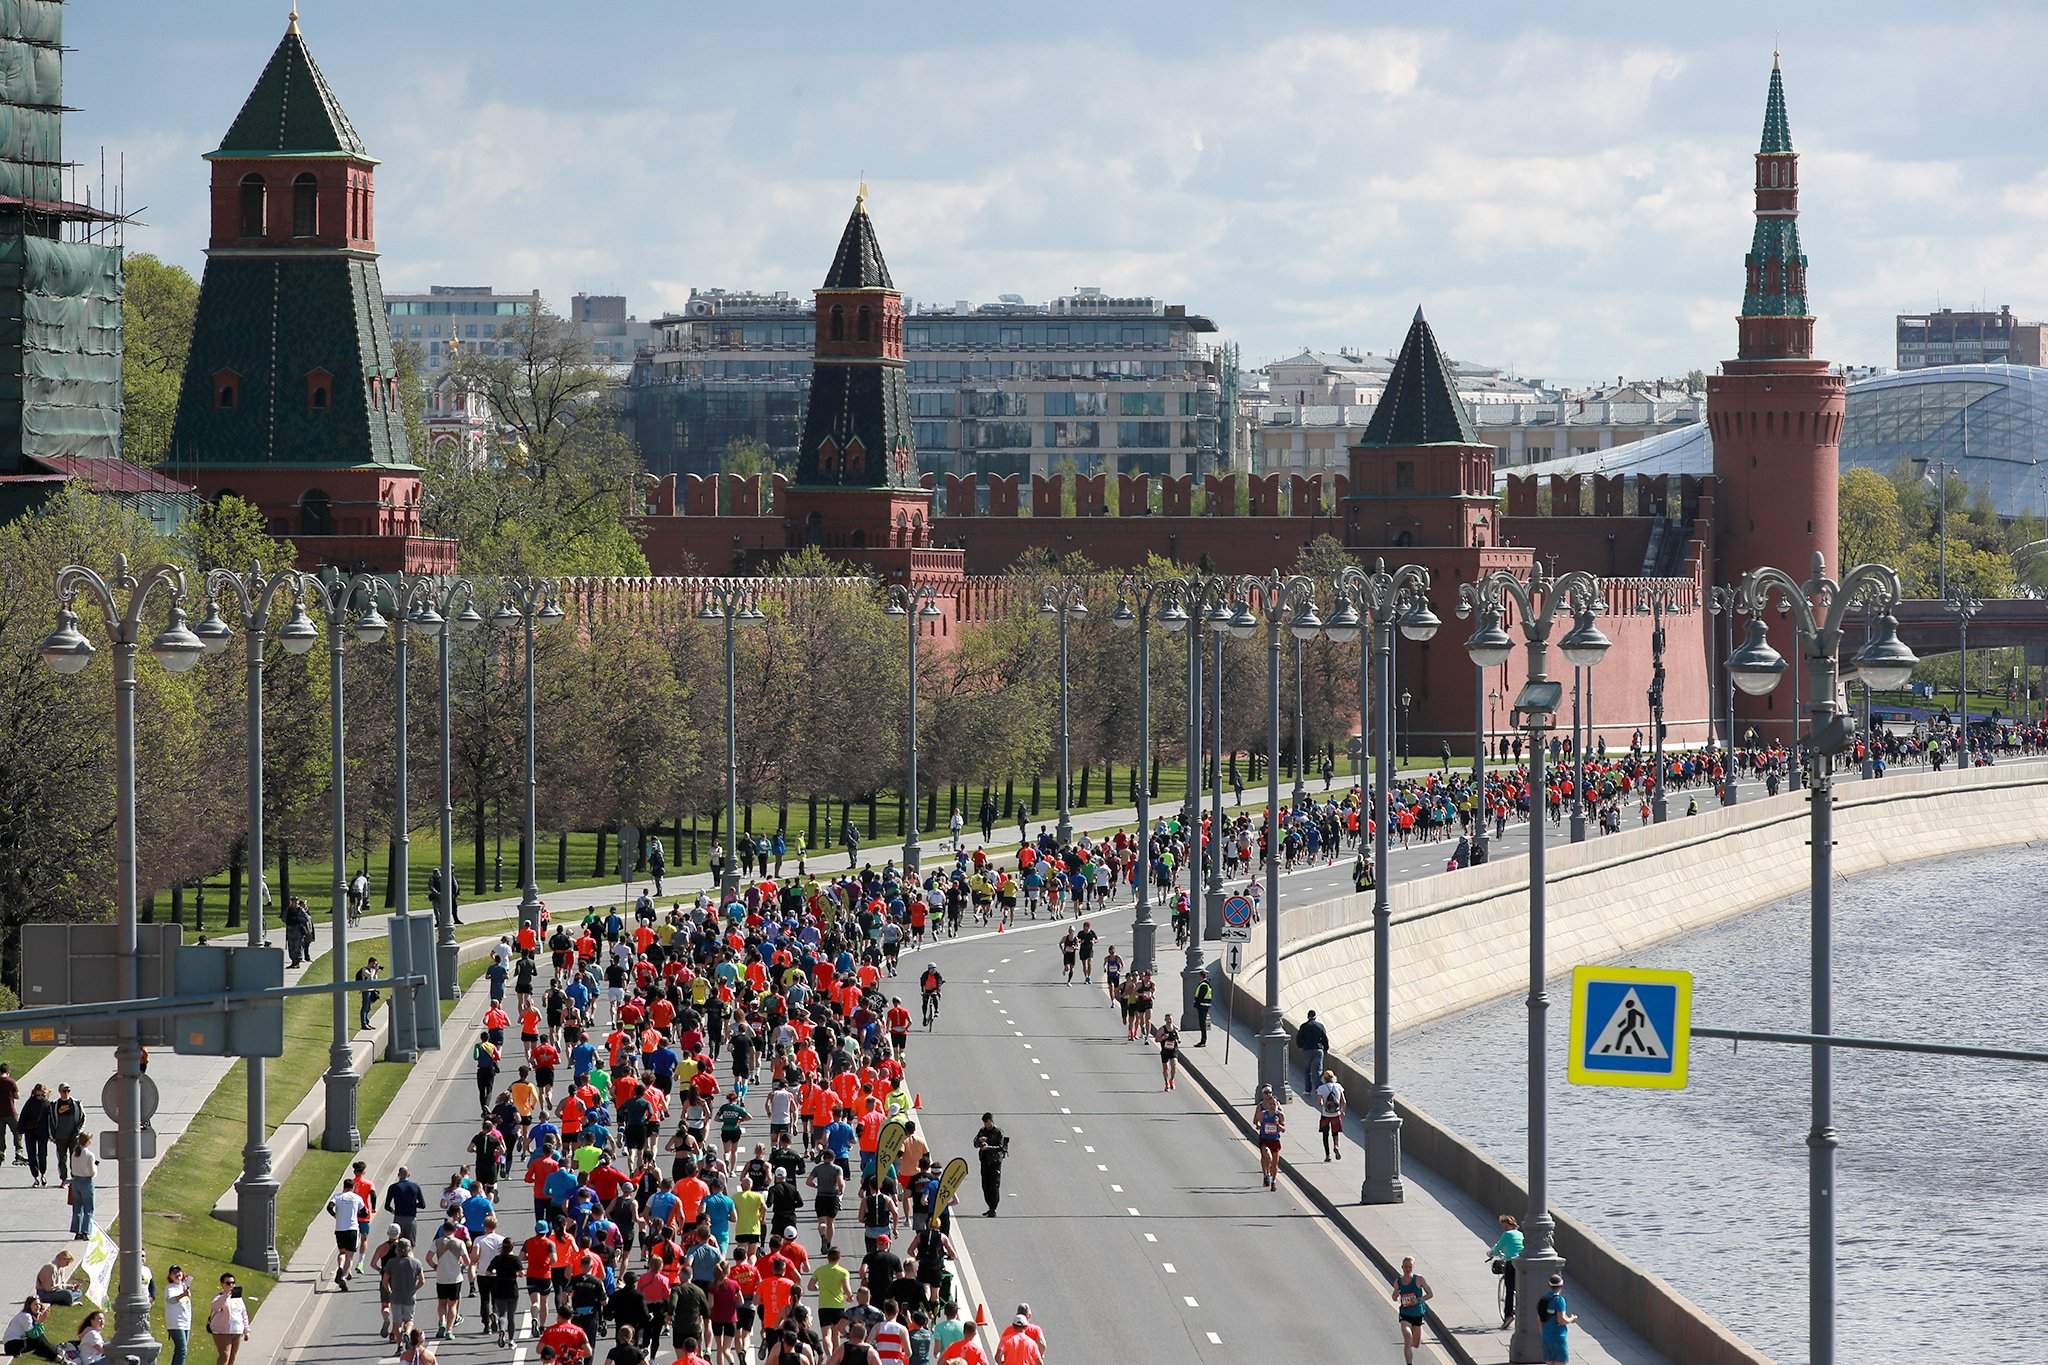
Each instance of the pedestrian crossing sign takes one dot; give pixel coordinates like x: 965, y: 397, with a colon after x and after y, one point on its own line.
x: 1631, y: 1026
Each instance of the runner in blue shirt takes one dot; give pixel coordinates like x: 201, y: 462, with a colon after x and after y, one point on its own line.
x: 718, y: 1207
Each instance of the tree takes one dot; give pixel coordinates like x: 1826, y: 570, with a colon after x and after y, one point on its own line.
x: 1872, y: 526
x: 158, y: 302
x: 560, y: 479
x: 412, y: 395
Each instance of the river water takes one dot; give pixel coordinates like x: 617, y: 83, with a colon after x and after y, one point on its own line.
x: 1942, y: 1173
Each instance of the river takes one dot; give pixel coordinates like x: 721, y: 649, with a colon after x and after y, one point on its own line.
x: 1942, y: 1173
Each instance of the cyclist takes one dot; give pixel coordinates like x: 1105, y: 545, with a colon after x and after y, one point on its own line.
x: 930, y: 984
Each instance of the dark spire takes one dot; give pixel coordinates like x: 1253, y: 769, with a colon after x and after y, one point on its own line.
x: 1420, y: 406
x: 858, y: 264
x: 1777, y: 130
x: 292, y: 111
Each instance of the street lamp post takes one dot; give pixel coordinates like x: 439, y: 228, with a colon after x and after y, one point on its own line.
x: 1369, y: 607
x: 1658, y: 599
x: 1065, y: 599
x: 1300, y: 775
x: 915, y: 603
x: 1577, y: 761
x: 1137, y: 602
x: 732, y: 601
x: 253, y: 598
x: 1288, y: 602
x: 528, y: 602
x: 1819, y: 607
x: 1724, y: 602
x: 1583, y: 646
x: 1407, y: 697
x: 338, y: 596
x: 1965, y: 604
x: 1198, y: 599
x: 463, y: 620
x: 67, y: 650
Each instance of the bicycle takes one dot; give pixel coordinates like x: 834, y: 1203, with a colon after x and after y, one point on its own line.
x: 931, y: 1010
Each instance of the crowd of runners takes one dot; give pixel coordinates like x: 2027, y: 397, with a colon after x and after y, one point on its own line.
x: 672, y: 1104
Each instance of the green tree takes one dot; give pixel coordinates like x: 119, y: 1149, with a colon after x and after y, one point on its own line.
x: 1872, y: 525
x: 412, y: 395
x: 559, y: 481
x: 158, y: 302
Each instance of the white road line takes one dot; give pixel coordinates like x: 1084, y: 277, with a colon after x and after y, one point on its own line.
x: 1215, y: 1340
x: 1065, y: 1110
x: 1189, y: 1300
x: 1036, y: 1062
x: 1041, y: 1075
x: 1019, y: 1032
x: 1077, y: 1130
x: 1098, y: 1165
x: 1005, y: 959
x: 1150, y: 1238
x: 1132, y: 1212
x: 1054, y: 1093
x: 1088, y: 1149
x: 1167, y: 1266
x: 1116, y: 1189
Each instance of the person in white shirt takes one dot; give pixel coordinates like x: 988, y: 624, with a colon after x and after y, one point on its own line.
x: 92, y: 1338
x: 178, y: 1312
x: 451, y: 1257
x: 347, y: 1208
x: 1330, y: 1115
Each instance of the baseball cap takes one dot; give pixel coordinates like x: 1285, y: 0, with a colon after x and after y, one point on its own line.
x: 1020, y: 1321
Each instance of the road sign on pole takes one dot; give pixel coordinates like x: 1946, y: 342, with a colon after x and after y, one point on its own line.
x: 1237, y: 919
x: 1236, y: 957
x: 1631, y: 1026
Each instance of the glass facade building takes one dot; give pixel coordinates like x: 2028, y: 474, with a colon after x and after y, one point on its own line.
x: 1087, y: 382
x: 1991, y: 421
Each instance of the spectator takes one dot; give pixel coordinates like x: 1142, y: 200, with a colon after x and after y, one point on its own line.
x: 83, y: 1167
x: 24, y: 1333
x: 178, y: 1312
x: 228, y: 1320
x: 34, y: 1129
x: 55, y: 1281
x: 67, y: 1120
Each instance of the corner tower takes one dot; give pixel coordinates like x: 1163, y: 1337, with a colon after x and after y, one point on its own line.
x: 290, y: 397
x: 857, y: 482
x: 1775, y: 411
x: 1420, y: 476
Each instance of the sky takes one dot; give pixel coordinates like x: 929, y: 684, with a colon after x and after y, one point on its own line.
x: 1563, y: 188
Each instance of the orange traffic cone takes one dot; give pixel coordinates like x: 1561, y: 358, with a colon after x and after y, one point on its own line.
x: 981, y: 1315
x: 917, y: 1100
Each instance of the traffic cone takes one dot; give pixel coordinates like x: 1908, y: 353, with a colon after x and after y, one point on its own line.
x: 917, y: 1100
x: 981, y: 1315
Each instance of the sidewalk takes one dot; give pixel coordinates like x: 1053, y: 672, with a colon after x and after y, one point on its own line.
x: 1447, y: 1233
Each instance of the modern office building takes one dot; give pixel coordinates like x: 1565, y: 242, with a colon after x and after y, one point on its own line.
x: 1947, y: 337
x: 471, y: 315
x: 615, y: 335
x: 1087, y: 382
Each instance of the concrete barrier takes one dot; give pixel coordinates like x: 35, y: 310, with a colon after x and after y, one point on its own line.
x: 1461, y: 939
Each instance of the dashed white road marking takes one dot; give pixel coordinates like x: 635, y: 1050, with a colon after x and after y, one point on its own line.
x: 1132, y: 1212
x: 1189, y: 1300
x: 1090, y: 1149
x: 1116, y: 1189
x: 1041, y: 1075
x: 1006, y: 959
x: 1077, y: 1130
x: 1150, y: 1238
x: 1215, y: 1340
x: 1167, y: 1266
x: 1098, y: 1165
x: 1054, y: 1093
x: 1065, y: 1110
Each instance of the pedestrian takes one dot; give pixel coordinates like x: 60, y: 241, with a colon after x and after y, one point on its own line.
x: 10, y: 1118
x: 178, y: 1312
x: 657, y: 862
x: 67, y: 1120
x: 369, y: 971
x: 1329, y: 1097
x: 1556, y: 1318
x: 850, y: 836
x: 1314, y: 1041
x: 80, y: 1186
x: 1503, y: 1253
x: 227, y: 1320
x: 991, y: 1146
x: 1412, y: 1295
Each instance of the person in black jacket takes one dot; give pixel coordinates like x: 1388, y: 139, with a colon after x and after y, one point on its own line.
x: 1314, y: 1041
x: 991, y: 1145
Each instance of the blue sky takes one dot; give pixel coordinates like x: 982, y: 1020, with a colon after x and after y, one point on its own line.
x: 1564, y: 188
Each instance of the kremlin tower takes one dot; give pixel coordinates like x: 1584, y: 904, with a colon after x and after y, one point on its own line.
x: 1775, y: 411
x: 290, y: 397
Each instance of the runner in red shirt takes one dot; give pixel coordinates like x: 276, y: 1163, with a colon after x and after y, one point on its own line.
x: 569, y: 1342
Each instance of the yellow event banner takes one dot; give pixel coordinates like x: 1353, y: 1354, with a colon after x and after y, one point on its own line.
x: 888, y: 1146
x: 950, y: 1181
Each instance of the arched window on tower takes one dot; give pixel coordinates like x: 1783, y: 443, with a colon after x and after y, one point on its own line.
x: 316, y: 513
x: 252, y: 205
x: 861, y: 325
x: 305, y: 205
x: 838, y: 323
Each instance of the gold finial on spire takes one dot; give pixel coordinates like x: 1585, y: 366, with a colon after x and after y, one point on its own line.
x: 1774, y: 59
x: 860, y: 197
x: 293, y: 26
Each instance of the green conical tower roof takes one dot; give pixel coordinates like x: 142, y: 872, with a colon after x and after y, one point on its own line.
x: 858, y: 263
x: 1420, y: 406
x: 292, y: 111
x: 1777, y: 130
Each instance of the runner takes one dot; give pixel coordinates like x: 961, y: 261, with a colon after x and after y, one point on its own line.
x: 1168, y: 1038
x: 1085, y: 939
x: 1412, y: 1295
x: 1068, y: 947
x: 1269, y: 1121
